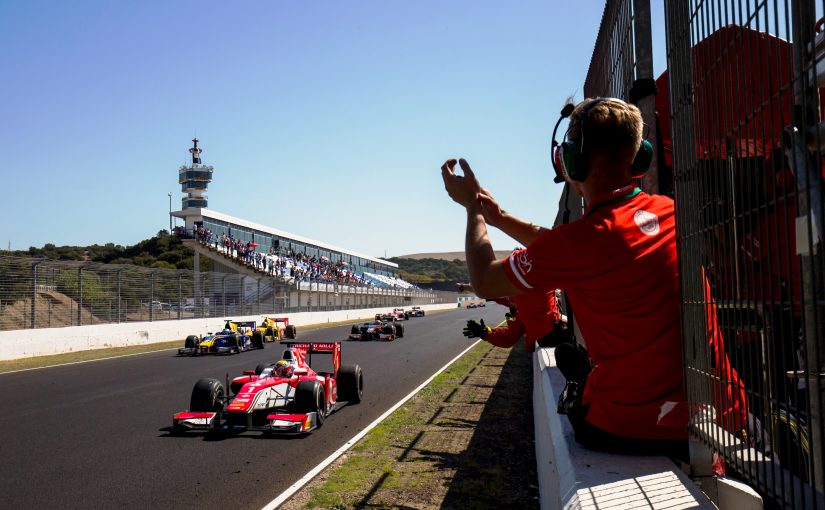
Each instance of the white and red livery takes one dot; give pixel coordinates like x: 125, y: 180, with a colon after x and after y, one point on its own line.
x: 272, y: 399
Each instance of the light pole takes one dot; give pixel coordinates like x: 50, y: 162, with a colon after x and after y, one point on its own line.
x: 170, y: 212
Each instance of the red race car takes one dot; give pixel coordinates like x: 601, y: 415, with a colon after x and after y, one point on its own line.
x: 286, y: 397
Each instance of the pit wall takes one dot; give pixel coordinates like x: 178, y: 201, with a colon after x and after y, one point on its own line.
x: 27, y: 343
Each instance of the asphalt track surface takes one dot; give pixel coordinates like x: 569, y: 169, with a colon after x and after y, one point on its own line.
x: 96, y: 435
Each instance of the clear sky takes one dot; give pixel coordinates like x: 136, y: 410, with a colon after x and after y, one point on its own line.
x: 328, y: 119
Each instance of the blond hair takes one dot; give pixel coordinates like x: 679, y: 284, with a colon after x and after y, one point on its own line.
x: 611, y: 126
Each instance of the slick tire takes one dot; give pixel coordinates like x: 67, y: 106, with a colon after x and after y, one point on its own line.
x: 191, y: 342
x: 291, y: 332
x: 399, y: 330
x: 354, y: 330
x: 260, y: 368
x: 207, y: 396
x: 235, y: 342
x: 351, y: 383
x: 258, y: 340
x: 310, y: 397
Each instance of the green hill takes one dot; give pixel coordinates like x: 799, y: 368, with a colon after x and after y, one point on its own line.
x: 161, y: 251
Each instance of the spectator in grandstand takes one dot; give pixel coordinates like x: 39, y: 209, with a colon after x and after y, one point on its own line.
x: 618, y: 267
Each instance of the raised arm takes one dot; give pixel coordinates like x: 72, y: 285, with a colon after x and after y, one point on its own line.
x: 487, y: 274
x: 522, y: 231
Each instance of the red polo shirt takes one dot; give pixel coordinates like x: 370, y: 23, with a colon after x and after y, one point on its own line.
x: 618, y: 266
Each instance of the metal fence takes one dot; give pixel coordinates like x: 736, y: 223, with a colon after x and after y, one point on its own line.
x: 736, y: 124
x: 746, y: 152
x: 42, y: 293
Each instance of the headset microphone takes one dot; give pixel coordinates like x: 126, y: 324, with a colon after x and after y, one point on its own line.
x: 565, y: 112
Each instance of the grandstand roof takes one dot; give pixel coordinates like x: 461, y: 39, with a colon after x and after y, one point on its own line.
x: 191, y: 213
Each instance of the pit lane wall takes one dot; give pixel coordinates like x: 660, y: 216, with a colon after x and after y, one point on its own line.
x: 27, y: 343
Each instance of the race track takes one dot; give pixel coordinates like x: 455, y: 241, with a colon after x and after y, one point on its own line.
x: 95, y: 435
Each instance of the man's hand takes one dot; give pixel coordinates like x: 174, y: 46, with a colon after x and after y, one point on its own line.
x: 493, y: 213
x: 463, y: 189
x: 474, y: 329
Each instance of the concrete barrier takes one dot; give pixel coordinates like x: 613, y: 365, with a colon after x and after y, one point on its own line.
x: 574, y: 478
x: 27, y: 343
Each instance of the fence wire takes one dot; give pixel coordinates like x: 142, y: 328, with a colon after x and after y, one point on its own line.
x: 41, y: 293
x: 743, y: 140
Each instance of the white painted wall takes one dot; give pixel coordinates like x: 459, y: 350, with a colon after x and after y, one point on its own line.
x: 26, y: 343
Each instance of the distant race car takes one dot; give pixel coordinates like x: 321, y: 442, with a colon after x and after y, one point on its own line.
x: 286, y: 397
x: 275, y: 329
x: 416, y: 311
x: 235, y: 337
x: 376, y: 331
x: 472, y: 305
x: 400, y: 314
x: 386, y: 317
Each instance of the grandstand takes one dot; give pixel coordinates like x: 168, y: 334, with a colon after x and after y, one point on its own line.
x: 291, y: 251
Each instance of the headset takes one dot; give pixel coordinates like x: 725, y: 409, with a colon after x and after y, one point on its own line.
x: 569, y: 157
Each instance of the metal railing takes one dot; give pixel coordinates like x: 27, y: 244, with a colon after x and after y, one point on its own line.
x: 747, y: 165
x: 42, y: 293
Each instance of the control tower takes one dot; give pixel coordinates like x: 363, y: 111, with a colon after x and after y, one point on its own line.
x: 194, y: 180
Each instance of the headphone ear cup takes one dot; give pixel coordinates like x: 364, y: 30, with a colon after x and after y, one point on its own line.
x: 575, y: 163
x: 643, y: 159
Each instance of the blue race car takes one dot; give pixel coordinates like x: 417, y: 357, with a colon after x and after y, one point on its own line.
x: 234, y: 338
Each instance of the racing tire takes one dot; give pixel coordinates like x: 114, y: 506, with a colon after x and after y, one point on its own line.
x: 406, y: 315
x: 399, y: 330
x: 258, y: 340
x: 354, y: 330
x: 351, y: 383
x: 390, y: 329
x: 206, y: 396
x: 191, y: 342
x: 234, y: 342
x: 310, y: 397
x: 291, y: 332
x: 261, y: 367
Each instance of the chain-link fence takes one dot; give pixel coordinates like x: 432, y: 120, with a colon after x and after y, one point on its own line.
x: 739, y: 144
x: 748, y: 169
x: 41, y: 293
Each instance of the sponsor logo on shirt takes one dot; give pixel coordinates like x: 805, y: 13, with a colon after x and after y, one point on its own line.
x: 647, y: 222
x: 523, y: 263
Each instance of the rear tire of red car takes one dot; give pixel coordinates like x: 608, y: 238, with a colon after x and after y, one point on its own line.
x: 261, y: 367
x: 351, y: 383
x: 291, y: 332
x: 207, y: 396
x: 399, y: 331
x: 310, y: 397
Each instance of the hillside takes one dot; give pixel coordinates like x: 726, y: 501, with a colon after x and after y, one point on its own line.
x: 160, y: 251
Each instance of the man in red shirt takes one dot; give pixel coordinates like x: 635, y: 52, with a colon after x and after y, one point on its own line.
x: 618, y: 267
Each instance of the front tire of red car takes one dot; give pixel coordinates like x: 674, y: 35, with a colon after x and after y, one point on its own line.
x: 207, y: 396
x: 310, y: 397
x: 350, y: 383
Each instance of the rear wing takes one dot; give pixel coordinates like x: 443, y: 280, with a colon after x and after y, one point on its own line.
x: 245, y: 324
x: 303, y: 351
x: 285, y: 320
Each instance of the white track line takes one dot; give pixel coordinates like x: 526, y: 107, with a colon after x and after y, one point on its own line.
x: 295, y: 487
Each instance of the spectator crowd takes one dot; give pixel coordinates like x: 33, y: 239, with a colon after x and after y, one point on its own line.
x: 289, y: 265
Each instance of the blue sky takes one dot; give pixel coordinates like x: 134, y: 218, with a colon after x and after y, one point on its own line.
x: 328, y: 119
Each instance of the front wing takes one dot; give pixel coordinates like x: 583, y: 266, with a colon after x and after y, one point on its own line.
x: 276, y: 423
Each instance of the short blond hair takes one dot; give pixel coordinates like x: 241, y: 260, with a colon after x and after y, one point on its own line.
x: 612, y: 127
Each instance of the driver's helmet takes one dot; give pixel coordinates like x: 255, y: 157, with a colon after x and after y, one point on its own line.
x: 283, y: 368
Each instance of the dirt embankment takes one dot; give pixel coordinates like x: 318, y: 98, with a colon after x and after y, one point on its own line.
x: 52, y: 310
